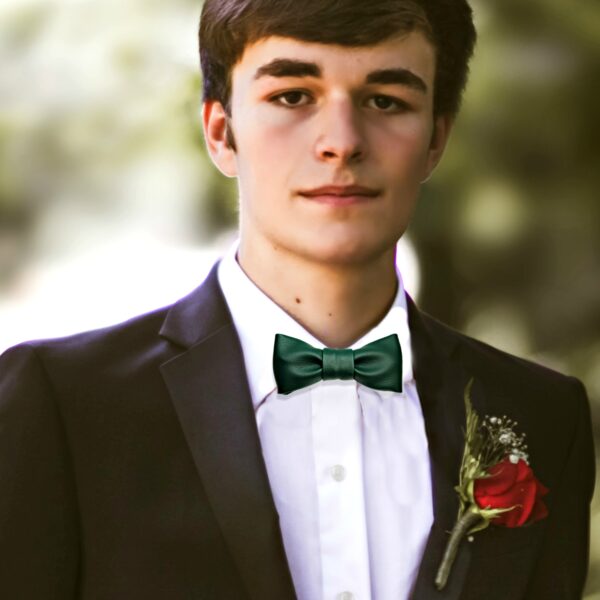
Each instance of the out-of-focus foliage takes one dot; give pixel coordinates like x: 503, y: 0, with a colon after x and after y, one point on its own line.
x: 508, y: 231
x: 100, y: 136
x: 100, y: 127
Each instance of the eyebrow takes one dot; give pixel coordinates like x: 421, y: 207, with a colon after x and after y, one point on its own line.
x: 289, y: 67
x: 398, y: 76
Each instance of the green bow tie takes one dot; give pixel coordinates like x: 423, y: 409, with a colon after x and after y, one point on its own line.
x: 377, y: 365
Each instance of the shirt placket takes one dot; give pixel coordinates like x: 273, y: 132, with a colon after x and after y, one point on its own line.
x: 337, y: 447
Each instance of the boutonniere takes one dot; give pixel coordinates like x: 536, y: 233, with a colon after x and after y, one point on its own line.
x: 496, y: 484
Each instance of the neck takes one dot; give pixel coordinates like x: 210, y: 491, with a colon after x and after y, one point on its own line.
x: 336, y: 303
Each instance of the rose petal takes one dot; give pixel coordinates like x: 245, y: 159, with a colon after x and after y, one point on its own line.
x: 542, y: 489
x: 502, y: 478
x: 540, y: 511
x: 508, y: 519
x: 524, y: 471
x: 527, y: 498
x: 511, y: 485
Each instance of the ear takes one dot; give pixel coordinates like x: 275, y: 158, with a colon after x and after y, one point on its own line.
x: 215, y: 123
x: 442, y: 126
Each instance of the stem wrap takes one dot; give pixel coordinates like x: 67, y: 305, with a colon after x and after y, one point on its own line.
x: 463, y: 525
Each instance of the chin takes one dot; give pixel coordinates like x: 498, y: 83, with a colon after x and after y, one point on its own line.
x: 348, y: 250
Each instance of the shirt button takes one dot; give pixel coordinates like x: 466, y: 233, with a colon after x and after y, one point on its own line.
x: 338, y: 472
x: 345, y: 596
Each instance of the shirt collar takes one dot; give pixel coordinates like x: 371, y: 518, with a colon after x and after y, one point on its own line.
x: 257, y: 319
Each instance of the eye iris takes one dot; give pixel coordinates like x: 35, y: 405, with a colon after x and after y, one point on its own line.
x: 293, y: 97
x: 382, y: 102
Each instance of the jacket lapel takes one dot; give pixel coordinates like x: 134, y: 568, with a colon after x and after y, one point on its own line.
x: 441, y: 381
x: 208, y: 385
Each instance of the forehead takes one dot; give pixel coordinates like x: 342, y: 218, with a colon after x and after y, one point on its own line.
x: 411, y: 51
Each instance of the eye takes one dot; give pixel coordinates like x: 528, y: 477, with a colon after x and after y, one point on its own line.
x: 387, y: 104
x: 291, y: 99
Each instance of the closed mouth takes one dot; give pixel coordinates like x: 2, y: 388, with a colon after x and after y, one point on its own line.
x: 341, y: 191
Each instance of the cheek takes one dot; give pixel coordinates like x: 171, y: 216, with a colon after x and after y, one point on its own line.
x: 265, y: 127
x: 269, y: 147
x: 269, y: 161
x: 404, y: 149
x: 403, y: 160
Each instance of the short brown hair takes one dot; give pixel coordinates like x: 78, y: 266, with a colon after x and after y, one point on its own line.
x: 227, y: 27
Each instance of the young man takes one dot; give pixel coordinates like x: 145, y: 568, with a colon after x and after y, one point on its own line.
x: 294, y: 427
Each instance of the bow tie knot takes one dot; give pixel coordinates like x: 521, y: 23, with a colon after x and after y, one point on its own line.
x: 377, y: 365
x: 338, y: 363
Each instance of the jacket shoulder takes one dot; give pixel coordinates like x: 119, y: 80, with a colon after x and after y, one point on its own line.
x: 96, y: 345
x: 483, y: 356
x: 550, y: 407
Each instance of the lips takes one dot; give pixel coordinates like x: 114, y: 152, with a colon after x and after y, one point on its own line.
x: 340, y: 196
x: 348, y: 191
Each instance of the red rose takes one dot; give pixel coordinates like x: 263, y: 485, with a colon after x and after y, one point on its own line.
x: 509, y: 485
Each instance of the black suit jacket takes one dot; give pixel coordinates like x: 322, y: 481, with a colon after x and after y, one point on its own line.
x: 131, y: 467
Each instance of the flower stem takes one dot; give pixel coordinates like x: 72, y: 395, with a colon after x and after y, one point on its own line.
x: 463, y: 525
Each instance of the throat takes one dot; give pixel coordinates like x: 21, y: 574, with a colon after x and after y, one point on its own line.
x: 335, y: 305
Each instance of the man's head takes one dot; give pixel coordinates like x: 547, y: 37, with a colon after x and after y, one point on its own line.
x: 227, y: 27
x: 330, y: 115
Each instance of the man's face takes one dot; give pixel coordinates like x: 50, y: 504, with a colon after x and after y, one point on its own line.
x: 331, y: 144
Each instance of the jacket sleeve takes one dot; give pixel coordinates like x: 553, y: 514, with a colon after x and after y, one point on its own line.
x: 562, y: 566
x: 38, y: 510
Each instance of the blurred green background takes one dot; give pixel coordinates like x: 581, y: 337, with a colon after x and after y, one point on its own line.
x: 108, y: 205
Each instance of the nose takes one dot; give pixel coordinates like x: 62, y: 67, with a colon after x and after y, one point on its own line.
x: 340, y: 139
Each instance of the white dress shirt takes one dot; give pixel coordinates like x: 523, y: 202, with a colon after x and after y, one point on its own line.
x: 348, y: 465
